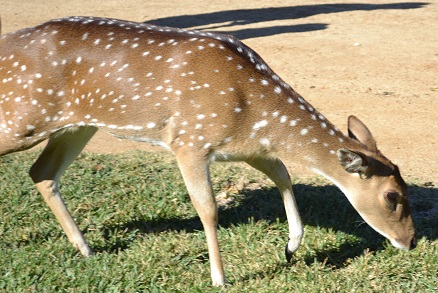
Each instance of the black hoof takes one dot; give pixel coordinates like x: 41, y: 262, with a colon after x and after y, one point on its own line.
x: 288, y: 254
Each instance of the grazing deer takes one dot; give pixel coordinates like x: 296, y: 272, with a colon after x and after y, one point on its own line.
x: 203, y: 96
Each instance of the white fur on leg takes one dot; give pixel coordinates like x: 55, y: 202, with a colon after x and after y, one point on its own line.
x: 294, y: 243
x: 296, y: 229
x: 217, y: 278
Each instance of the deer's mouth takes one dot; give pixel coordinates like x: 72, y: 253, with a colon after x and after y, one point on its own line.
x: 405, y: 244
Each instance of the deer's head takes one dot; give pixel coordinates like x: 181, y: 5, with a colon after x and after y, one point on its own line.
x: 375, y: 188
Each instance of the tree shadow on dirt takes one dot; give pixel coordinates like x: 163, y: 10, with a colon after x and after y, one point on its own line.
x: 224, y: 21
x: 320, y: 206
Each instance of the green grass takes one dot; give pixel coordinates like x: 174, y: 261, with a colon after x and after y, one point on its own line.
x: 136, y: 215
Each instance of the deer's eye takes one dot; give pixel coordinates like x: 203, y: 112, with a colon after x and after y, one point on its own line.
x: 391, y: 198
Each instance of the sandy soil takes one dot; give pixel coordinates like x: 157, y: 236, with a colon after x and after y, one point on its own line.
x: 376, y: 61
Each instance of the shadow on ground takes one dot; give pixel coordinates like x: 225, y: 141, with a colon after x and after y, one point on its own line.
x: 321, y: 206
x: 226, y: 21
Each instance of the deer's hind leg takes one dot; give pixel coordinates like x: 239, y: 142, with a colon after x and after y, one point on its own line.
x: 60, y: 151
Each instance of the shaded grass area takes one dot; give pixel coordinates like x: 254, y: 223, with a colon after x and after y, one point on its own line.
x: 137, y: 216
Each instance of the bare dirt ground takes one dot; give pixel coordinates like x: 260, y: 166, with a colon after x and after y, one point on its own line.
x: 378, y: 61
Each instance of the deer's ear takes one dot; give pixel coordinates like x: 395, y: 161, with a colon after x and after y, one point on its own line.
x: 352, y: 162
x: 358, y: 131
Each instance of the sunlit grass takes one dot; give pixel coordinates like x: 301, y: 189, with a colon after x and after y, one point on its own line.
x: 137, y: 216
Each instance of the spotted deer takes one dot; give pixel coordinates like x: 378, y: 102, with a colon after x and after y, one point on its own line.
x: 203, y: 96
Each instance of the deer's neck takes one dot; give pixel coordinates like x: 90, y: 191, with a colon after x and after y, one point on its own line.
x: 297, y: 133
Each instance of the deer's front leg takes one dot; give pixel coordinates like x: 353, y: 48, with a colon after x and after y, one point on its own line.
x: 277, y: 172
x: 195, y: 171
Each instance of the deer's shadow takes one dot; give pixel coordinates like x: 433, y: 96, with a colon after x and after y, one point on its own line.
x: 320, y: 206
x: 225, y: 21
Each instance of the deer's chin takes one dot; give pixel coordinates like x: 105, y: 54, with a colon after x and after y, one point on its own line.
x: 394, y: 242
x: 399, y: 245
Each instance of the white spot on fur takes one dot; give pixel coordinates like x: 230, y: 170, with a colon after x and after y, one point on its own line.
x: 264, y: 141
x: 260, y: 124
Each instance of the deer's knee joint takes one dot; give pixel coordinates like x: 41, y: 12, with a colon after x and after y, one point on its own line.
x: 46, y: 187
